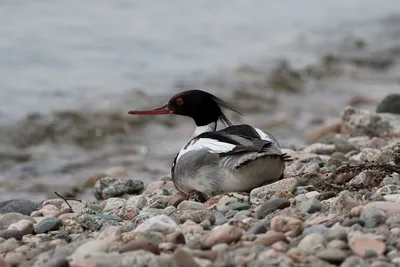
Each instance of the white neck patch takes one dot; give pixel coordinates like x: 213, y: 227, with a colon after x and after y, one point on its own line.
x: 206, y: 128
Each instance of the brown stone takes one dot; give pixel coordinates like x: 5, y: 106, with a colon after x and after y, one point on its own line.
x: 290, y: 226
x: 270, y: 238
x: 213, y: 201
x: 3, y: 263
x: 390, y: 208
x: 57, y: 262
x: 198, y: 216
x: 176, y: 200
x: 140, y: 244
x: 176, y: 238
x: 224, y: 234
x: 161, y: 184
x: 360, y: 245
x: 184, y: 259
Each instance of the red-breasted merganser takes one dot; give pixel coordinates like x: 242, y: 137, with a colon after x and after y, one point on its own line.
x: 235, y: 159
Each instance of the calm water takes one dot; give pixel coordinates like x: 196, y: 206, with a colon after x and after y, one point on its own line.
x: 93, y: 55
x: 69, y: 54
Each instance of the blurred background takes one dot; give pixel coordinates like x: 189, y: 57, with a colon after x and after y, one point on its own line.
x: 71, y: 70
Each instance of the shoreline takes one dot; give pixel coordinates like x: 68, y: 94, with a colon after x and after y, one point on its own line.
x: 338, y: 205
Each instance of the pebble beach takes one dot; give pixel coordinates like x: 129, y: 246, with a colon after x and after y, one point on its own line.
x: 338, y: 205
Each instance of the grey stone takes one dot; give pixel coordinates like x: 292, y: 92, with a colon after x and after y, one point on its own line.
x: 312, y: 205
x: 90, y: 222
x: 344, y: 202
x: 260, y: 194
x: 315, y: 229
x: 333, y: 255
x: 10, y: 218
x: 270, y: 206
x: 23, y: 206
x: 108, y: 187
x: 6, y: 234
x: 47, y: 225
x: 362, y: 122
x: 389, y: 104
x: 219, y: 218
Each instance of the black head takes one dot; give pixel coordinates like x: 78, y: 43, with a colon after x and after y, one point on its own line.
x: 204, y: 108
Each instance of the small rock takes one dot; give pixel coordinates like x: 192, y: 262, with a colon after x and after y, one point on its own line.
x: 3, y: 263
x: 290, y: 226
x: 362, y: 122
x: 337, y: 244
x: 159, y: 222
x: 332, y: 255
x: 225, y: 202
x: 184, y: 259
x: 108, y: 187
x: 6, y: 234
x: 160, y: 184
x: 270, y: 238
x: 9, y: 218
x: 23, y: 206
x: 198, y: 216
x: 24, y: 226
x: 312, y: 205
x: 114, y: 203
x: 140, y: 244
x: 176, y: 238
x: 57, y: 262
x: 260, y: 194
x: 219, y: 218
x: 190, y: 205
x: 49, y: 210
x: 258, y: 228
x: 372, y: 217
x: 353, y: 221
x: 270, y: 206
x: 320, y: 149
x: 312, y: 242
x: 224, y: 234
x: 315, y: 229
x: 344, y: 203
x: 47, y: 225
x: 388, y: 207
x: 389, y: 104
x: 90, y: 222
x: 360, y: 246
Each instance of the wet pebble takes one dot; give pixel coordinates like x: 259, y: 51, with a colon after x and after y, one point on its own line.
x: 47, y: 225
x: 270, y: 206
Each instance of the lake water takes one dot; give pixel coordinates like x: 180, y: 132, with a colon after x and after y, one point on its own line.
x: 95, y: 55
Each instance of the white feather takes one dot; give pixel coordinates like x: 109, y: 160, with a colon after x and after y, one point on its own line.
x: 206, y: 128
x: 263, y: 135
x: 212, y: 146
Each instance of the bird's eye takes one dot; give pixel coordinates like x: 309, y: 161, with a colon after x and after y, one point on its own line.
x: 179, y: 101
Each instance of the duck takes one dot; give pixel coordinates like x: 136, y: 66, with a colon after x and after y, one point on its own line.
x: 237, y: 158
